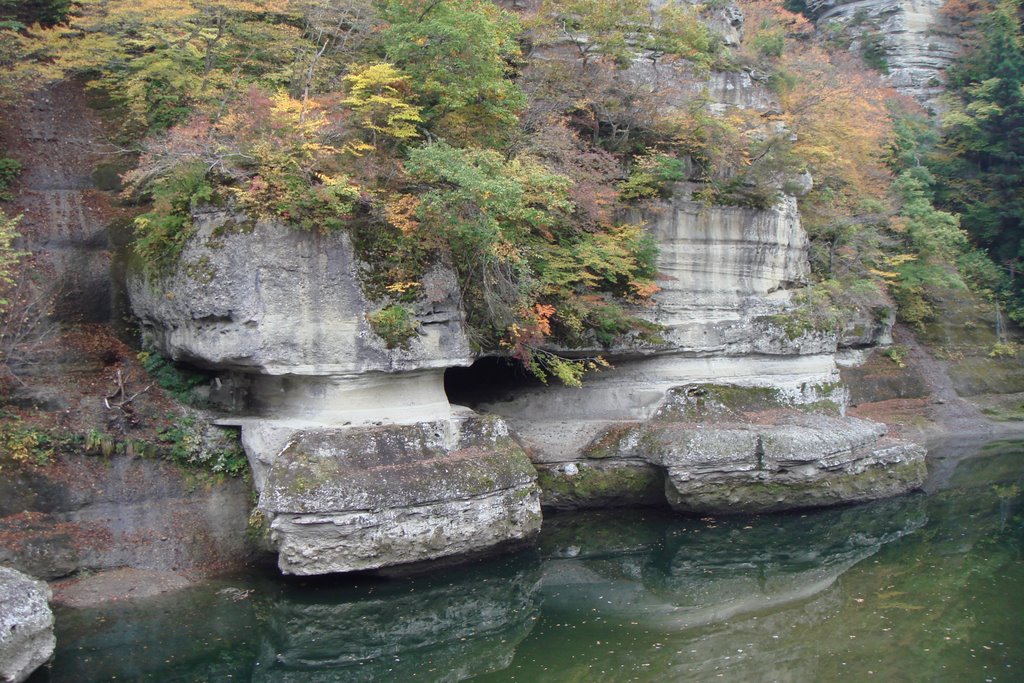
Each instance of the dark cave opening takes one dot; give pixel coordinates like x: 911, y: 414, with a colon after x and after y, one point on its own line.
x: 488, y: 380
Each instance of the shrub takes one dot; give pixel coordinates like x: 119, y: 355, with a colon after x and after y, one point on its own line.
x: 219, y: 452
x: 174, y: 379
x: 395, y: 325
x: 9, y: 170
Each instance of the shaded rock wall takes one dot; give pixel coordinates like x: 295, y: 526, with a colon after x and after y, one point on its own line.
x: 93, y: 514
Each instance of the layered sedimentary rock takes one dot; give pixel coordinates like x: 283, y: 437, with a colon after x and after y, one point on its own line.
x: 915, y: 40
x: 270, y: 300
x: 361, y: 461
x: 359, y: 458
x: 354, y: 499
x: 728, y: 319
x: 26, y: 625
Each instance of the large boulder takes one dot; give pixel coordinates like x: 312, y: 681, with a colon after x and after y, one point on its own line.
x: 366, y: 498
x: 358, y: 459
x: 26, y: 625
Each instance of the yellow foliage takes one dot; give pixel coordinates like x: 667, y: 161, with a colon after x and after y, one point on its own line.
x: 402, y: 287
x: 377, y: 94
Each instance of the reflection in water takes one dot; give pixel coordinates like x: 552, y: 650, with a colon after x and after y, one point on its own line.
x: 702, y: 573
x: 446, y: 631
x: 917, y: 588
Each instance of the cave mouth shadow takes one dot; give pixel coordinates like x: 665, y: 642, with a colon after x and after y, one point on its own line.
x: 491, y: 379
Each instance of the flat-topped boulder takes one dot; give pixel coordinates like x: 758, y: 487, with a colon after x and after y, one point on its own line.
x: 730, y: 449
x: 339, y: 500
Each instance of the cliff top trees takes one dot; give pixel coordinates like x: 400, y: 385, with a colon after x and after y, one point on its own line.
x: 980, y: 162
x: 421, y: 126
x: 460, y: 56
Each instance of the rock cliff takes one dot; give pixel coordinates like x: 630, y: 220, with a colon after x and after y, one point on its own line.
x: 914, y: 40
x: 362, y: 461
x: 662, y: 425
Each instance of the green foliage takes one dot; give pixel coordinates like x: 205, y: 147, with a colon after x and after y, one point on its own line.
x: 1005, y: 350
x: 873, y: 52
x: 158, y: 61
x: 533, y: 273
x: 395, y: 325
x: 190, y: 447
x: 617, y: 32
x: 162, y: 233
x: 460, y: 56
x: 652, y: 175
x: 795, y: 6
x: 291, y: 168
x: 378, y: 94
x: 28, y: 12
x: 9, y: 170
x: 897, y: 353
x: 176, y: 380
x: 814, y: 311
x: 769, y: 43
x: 979, y: 162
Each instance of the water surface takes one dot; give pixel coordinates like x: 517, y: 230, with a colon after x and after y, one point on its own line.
x: 923, y: 587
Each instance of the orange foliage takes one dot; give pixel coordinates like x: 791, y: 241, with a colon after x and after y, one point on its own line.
x: 838, y: 112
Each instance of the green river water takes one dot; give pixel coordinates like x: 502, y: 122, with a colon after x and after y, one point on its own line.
x: 927, y: 587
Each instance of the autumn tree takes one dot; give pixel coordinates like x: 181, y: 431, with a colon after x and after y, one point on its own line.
x: 533, y: 273
x: 159, y: 61
x: 379, y: 95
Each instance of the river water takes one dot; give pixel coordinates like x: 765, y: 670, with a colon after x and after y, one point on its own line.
x: 927, y: 587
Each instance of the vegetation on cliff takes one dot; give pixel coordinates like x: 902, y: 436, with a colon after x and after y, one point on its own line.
x: 507, y: 143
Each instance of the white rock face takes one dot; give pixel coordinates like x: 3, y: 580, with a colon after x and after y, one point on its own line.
x: 918, y: 41
x: 726, y: 278
x: 273, y: 300
x: 676, y: 86
x: 26, y: 625
x: 723, y: 265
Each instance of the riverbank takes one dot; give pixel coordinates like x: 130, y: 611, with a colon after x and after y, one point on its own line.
x: 923, y: 583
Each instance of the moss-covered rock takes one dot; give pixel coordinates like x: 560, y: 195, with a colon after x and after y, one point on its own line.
x: 721, y: 448
x: 600, y: 484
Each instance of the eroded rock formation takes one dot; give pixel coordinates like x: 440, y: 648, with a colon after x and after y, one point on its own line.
x: 359, y: 458
x: 362, y: 462
x: 662, y: 425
